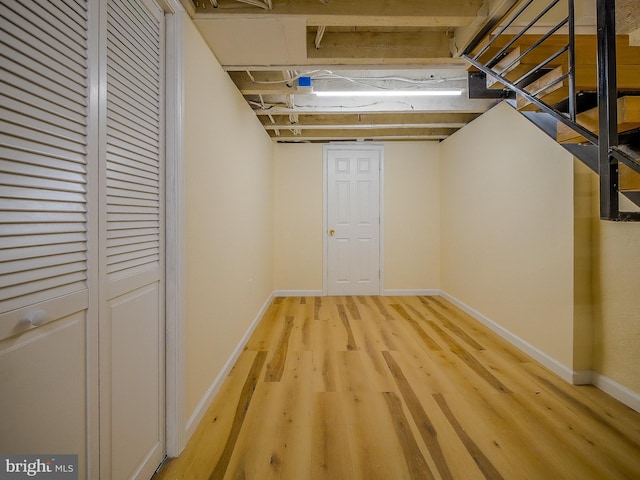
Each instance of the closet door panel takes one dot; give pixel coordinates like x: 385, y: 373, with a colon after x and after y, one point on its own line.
x: 44, y: 210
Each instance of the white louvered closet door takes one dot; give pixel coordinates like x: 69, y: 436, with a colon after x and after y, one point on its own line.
x: 45, y: 329
x: 132, y: 315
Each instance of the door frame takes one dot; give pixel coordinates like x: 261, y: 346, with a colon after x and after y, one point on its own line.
x: 175, y: 302
x: 173, y: 395
x: 341, y: 146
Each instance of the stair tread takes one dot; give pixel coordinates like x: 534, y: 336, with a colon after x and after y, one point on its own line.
x: 586, y: 80
x: 585, y: 46
x: 628, y: 119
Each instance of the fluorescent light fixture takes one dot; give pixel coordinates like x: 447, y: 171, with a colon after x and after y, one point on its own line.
x: 389, y: 93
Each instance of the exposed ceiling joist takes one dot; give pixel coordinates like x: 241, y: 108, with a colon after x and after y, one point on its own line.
x: 415, y: 13
x: 308, y: 105
x: 272, y: 83
x: 346, y: 45
x: 428, y: 120
x: 421, y: 46
x: 370, y: 126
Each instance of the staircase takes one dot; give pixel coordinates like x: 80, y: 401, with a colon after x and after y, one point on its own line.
x: 581, y: 89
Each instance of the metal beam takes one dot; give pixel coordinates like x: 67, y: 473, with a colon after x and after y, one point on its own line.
x: 608, y: 109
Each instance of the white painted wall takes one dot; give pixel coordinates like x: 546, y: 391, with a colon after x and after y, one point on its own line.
x: 616, y: 303
x: 411, y: 215
x: 228, y: 183
x: 507, y: 229
x: 297, y: 228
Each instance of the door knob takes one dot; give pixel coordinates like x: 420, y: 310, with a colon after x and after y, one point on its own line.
x: 331, y: 232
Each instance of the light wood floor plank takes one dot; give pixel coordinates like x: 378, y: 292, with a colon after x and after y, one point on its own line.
x: 330, y: 453
x: 366, y: 388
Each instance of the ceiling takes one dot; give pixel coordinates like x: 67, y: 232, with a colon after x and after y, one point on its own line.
x: 266, y: 46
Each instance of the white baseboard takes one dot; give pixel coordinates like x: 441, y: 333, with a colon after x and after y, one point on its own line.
x: 297, y: 293
x: 409, y: 292
x: 214, y: 388
x: 621, y: 393
x: 551, y: 363
x: 385, y: 292
x: 575, y: 377
x: 582, y: 377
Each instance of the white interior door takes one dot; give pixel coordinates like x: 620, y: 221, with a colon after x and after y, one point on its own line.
x: 352, y: 260
x: 47, y: 333
x: 132, y: 268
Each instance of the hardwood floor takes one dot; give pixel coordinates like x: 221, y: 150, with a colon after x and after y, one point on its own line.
x: 400, y: 388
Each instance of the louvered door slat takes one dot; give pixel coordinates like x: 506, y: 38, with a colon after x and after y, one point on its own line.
x: 40, y: 240
x: 56, y: 131
x: 35, y: 158
x: 133, y: 202
x: 120, y: 148
x: 122, y: 117
x: 49, y: 139
x: 135, y: 172
x: 13, y: 106
x: 136, y: 66
x: 147, y: 144
x: 137, y: 240
x: 134, y: 233
x: 130, y: 33
x: 70, y: 15
x: 41, y: 88
x: 28, y: 17
x: 143, y: 23
x: 78, y: 7
x: 43, y: 103
x: 134, y: 105
x: 42, y: 206
x: 34, y: 275
x: 121, y: 153
x: 139, y: 261
x: 123, y: 186
x: 77, y: 175
x: 44, y: 183
x: 55, y: 53
x: 21, y: 229
x: 62, y: 79
x: 147, y: 166
x: 43, y: 132
x: 132, y: 180
x: 142, y: 119
x: 24, y: 267
x: 120, y: 228
x: 39, y: 291
x: 22, y: 253
x: 42, y: 217
x: 133, y: 150
x: 130, y: 195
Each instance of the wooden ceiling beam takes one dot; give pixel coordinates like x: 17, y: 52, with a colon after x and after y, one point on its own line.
x: 341, y: 133
x: 320, y: 120
x: 271, y: 83
x: 362, y: 126
x: 415, y: 13
x: 323, y: 64
x: 424, y: 45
